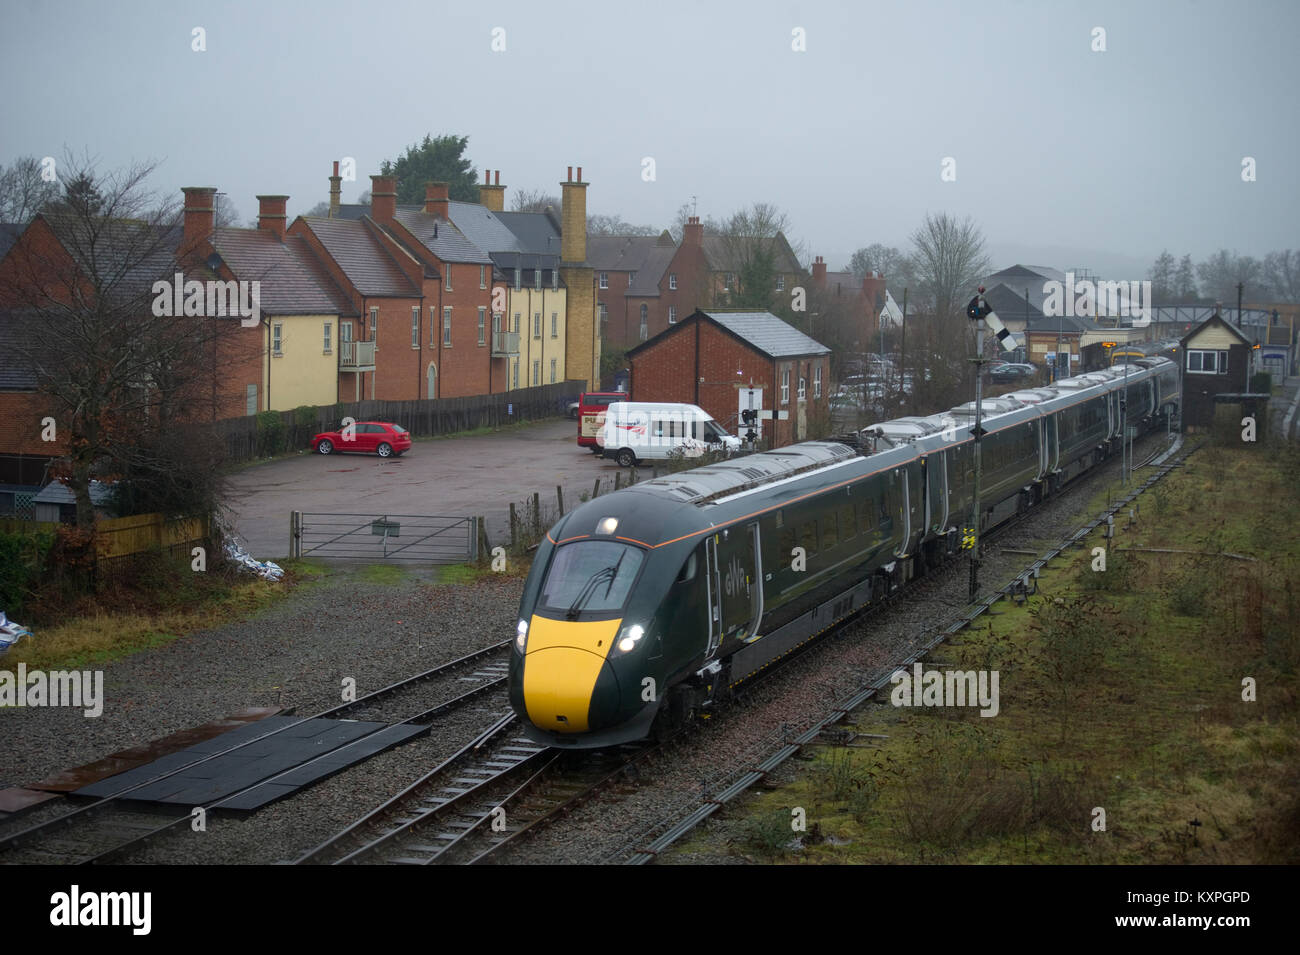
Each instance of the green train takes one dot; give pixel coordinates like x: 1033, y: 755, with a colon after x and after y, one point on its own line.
x: 647, y: 605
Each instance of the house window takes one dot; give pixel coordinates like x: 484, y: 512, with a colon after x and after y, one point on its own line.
x: 817, y: 382
x: 604, y: 280
x: 415, y: 326
x: 1207, y: 362
x: 604, y: 313
x: 726, y: 282
x: 277, y: 334
x: 515, y: 377
x: 631, y: 277
x: 374, y: 325
x: 672, y: 314
x: 537, y: 324
x: 785, y: 387
x: 537, y: 279
x: 780, y: 283
x: 552, y: 371
x: 446, y: 326
x: 803, y: 387
x: 645, y: 327
x: 672, y: 280
x: 448, y: 276
x: 537, y: 373
x: 482, y: 276
x: 496, y: 331
x: 433, y: 325
x: 555, y: 324
x: 516, y: 323
x: 328, y: 328
x: 482, y: 325
x: 251, y: 404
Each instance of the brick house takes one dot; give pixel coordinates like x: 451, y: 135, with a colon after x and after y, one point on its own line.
x: 848, y: 307
x: 629, y: 278
x: 1215, y: 360
x: 723, y: 360
x: 301, y: 305
x: 24, y: 454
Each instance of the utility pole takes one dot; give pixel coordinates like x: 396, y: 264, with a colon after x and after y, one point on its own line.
x: 1240, y: 287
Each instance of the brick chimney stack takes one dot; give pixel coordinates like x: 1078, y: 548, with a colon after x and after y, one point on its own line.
x: 573, y: 219
x: 271, y: 213
x: 492, y: 194
x: 336, y: 191
x: 819, y: 271
x: 435, y: 199
x: 200, y: 215
x: 693, y: 233
x: 383, y: 198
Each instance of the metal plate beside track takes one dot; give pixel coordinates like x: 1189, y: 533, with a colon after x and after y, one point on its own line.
x: 275, y: 767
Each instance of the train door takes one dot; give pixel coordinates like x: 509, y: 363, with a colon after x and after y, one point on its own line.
x: 737, y: 604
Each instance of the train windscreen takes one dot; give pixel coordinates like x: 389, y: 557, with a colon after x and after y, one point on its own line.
x: 590, y: 577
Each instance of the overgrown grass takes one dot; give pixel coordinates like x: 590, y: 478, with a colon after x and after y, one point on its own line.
x: 1120, y: 701
x: 158, y: 603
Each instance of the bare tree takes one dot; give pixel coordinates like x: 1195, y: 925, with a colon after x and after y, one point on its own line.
x: 1220, y: 273
x: 533, y: 200
x: 1163, y: 277
x: 125, y: 384
x: 949, y: 260
x: 885, y: 259
x: 684, y: 212
x: 616, y: 225
x: 24, y: 190
x: 756, y: 250
x: 1282, y: 273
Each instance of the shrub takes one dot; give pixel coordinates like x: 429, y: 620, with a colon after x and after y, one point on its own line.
x: 270, y: 433
x: 23, y: 560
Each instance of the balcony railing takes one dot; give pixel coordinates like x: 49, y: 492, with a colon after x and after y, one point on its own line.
x: 504, y: 344
x: 356, y: 356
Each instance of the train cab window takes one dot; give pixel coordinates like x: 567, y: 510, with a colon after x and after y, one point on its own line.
x: 590, y: 577
x: 830, y: 537
x: 808, y: 537
x: 687, y: 572
x: 847, y: 522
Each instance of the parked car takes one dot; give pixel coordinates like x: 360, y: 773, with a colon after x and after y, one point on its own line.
x: 573, y: 410
x: 366, y: 437
x: 1013, y: 371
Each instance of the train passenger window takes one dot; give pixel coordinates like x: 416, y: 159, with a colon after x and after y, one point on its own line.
x: 787, y: 545
x: 866, y: 516
x: 688, y: 570
x: 847, y: 522
x: 829, y: 535
x: 808, y: 537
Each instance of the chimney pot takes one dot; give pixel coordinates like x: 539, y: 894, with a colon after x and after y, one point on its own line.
x: 200, y: 216
x: 569, y: 178
x: 271, y: 214
x: 383, y: 198
x: 436, y: 199
x: 579, y: 174
x: 496, y: 178
x: 336, y: 167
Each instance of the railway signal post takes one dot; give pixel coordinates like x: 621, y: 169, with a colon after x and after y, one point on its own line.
x: 978, y: 311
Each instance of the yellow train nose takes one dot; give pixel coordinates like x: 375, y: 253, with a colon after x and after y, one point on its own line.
x: 562, y: 664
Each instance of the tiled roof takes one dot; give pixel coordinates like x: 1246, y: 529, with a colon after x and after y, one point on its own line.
x: 844, y: 283
x: 128, y: 256
x: 1009, y: 304
x: 15, y: 373
x: 646, y: 282
x: 361, y: 256
x: 723, y: 253
x: 57, y: 492
x: 768, y: 333
x: 534, y: 231
x: 294, y: 281
x: 441, y: 237
x: 481, y: 226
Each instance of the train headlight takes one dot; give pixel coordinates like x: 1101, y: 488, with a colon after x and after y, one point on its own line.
x: 631, y: 636
x: 521, y: 635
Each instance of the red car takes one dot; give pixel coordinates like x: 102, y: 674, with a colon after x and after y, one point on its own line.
x: 367, y: 437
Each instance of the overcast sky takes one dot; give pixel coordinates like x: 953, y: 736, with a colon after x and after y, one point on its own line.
x: 1063, y: 156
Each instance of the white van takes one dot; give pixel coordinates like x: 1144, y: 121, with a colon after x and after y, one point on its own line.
x: 635, y: 431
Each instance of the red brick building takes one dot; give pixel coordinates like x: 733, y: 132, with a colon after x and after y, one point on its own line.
x: 716, y: 359
x: 847, y: 307
x: 630, y: 279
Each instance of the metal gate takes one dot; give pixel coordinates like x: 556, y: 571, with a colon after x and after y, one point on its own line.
x: 432, y: 540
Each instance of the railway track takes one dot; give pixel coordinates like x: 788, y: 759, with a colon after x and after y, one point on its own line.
x: 110, y: 828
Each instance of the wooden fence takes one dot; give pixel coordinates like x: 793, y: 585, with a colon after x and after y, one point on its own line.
x: 272, y: 432
x: 119, y: 540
